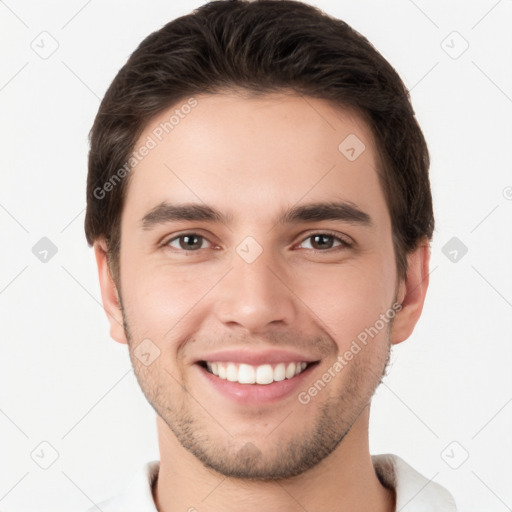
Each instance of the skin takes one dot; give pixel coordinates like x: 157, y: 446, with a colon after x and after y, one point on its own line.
x: 254, y: 158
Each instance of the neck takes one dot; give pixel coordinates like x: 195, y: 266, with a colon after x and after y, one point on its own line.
x: 345, y: 480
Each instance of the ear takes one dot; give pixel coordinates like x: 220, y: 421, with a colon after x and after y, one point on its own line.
x: 109, y: 294
x: 411, y: 293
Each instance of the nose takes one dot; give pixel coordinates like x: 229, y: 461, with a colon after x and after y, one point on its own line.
x: 255, y: 295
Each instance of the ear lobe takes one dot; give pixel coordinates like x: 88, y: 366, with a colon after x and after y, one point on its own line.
x: 109, y: 294
x: 412, y: 293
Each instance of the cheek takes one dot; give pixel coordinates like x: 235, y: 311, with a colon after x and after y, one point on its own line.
x: 346, y: 301
x: 161, y: 301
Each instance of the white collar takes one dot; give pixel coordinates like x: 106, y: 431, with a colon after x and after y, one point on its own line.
x: 414, y: 492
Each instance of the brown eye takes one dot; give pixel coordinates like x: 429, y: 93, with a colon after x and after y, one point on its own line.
x: 187, y: 242
x: 325, y: 241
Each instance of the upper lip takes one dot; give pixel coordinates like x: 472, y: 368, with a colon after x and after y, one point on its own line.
x: 256, y: 358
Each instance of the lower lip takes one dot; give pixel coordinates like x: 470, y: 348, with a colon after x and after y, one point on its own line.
x: 257, y: 393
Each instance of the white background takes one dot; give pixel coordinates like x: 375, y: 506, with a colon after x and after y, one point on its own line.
x: 64, y: 381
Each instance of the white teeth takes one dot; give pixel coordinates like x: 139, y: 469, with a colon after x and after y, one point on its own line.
x: 280, y: 372
x: 290, y: 370
x: 248, y: 374
x: 232, y: 373
x: 264, y: 374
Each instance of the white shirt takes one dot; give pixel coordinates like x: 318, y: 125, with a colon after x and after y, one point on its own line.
x: 414, y: 492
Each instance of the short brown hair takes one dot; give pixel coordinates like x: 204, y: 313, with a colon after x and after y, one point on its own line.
x: 260, y: 46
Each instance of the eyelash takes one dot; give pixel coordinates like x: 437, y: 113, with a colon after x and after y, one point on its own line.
x: 344, y: 244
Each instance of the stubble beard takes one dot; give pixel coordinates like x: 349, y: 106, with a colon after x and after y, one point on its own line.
x: 286, y: 457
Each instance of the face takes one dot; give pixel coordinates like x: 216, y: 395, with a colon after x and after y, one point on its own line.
x: 284, y: 255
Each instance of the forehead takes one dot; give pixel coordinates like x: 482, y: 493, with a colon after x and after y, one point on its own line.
x: 254, y: 154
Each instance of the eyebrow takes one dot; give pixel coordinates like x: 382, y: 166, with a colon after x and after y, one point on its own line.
x: 165, y: 212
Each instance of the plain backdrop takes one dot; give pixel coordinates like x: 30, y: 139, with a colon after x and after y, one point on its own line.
x: 68, y: 397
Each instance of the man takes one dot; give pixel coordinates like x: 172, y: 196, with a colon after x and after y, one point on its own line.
x: 259, y: 205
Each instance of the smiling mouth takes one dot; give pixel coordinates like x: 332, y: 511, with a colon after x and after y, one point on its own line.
x: 250, y: 374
